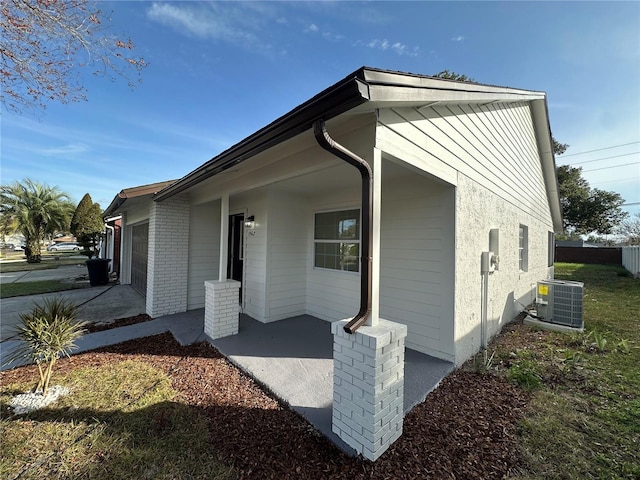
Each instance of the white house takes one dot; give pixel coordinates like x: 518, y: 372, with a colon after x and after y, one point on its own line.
x: 419, y: 176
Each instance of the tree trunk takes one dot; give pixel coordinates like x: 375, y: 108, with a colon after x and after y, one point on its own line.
x: 32, y: 251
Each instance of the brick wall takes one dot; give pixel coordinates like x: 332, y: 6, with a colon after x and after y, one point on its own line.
x: 168, y: 257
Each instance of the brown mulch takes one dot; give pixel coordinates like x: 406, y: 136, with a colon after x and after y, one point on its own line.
x: 121, y: 322
x: 465, y: 429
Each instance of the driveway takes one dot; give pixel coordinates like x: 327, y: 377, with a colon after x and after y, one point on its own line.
x: 97, y: 304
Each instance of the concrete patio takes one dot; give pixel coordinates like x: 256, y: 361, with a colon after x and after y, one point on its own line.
x: 293, y: 358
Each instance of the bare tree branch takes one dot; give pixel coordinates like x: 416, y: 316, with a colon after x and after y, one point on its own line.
x: 44, y: 45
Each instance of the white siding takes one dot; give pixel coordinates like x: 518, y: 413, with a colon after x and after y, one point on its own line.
x: 490, y: 153
x: 493, y: 145
x: 417, y: 261
x: 332, y: 295
x: 255, y: 251
x: 287, y: 253
x: 204, y: 250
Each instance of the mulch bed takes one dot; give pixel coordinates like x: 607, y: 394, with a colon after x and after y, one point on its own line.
x: 121, y: 322
x: 466, y: 428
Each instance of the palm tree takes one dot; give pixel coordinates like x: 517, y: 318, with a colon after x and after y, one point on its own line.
x: 35, y: 209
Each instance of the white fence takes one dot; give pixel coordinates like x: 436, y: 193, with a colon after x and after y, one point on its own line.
x: 631, y: 259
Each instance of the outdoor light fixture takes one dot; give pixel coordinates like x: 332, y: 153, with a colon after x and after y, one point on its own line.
x: 250, y: 222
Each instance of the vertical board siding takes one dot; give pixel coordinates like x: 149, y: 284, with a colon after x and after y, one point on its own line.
x: 288, y: 248
x: 204, y: 250
x: 494, y: 145
x: 417, y: 261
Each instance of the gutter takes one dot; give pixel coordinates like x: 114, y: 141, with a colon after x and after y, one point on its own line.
x: 330, y: 145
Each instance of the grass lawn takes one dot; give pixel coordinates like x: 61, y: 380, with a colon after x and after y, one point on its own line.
x: 119, y: 421
x: 584, y: 415
x: 48, y: 262
x: 35, y: 288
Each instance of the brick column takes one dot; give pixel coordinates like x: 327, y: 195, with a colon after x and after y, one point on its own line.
x: 168, y: 268
x: 221, y: 308
x: 368, y: 386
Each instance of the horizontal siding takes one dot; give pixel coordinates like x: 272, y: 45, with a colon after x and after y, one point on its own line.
x: 287, y: 257
x: 494, y: 145
x: 204, y: 251
x: 416, y: 267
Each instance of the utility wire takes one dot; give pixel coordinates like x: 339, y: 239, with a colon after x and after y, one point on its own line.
x: 612, y: 166
x: 604, y: 158
x: 617, y: 180
x: 600, y: 149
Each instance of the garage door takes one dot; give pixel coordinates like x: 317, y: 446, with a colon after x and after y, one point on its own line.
x: 139, y: 257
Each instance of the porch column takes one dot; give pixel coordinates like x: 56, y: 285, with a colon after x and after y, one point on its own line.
x: 372, y: 320
x: 224, y: 237
x: 368, y: 386
x: 221, y: 310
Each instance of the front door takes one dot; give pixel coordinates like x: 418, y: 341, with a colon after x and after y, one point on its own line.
x: 236, y: 248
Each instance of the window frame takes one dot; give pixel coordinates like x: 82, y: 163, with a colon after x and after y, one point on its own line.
x: 338, y: 241
x: 523, y: 248
x: 551, y: 246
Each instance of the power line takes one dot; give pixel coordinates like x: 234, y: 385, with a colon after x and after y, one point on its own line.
x: 629, y: 204
x: 618, y: 180
x: 604, y: 158
x: 628, y: 179
x: 612, y: 166
x: 600, y: 149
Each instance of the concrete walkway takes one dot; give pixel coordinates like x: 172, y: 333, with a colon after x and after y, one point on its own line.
x: 102, y: 304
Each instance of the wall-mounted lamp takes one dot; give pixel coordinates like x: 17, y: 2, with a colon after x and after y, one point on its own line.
x: 249, y: 222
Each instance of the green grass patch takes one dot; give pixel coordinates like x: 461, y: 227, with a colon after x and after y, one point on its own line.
x: 19, y: 289
x: 48, y: 262
x: 584, y: 420
x: 119, y: 421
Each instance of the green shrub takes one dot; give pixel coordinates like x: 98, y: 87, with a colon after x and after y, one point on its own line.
x: 48, y: 332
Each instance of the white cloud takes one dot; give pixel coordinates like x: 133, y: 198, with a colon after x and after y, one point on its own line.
x: 385, y: 45
x: 459, y: 38
x: 244, y: 24
x: 66, y: 150
x: 312, y: 28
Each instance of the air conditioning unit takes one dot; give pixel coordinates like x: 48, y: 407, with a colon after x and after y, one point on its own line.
x: 560, y: 302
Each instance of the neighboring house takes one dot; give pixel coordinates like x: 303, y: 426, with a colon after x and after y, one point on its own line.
x: 458, y: 168
x: 132, y: 246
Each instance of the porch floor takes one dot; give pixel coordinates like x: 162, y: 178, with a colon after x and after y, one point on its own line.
x: 293, y: 358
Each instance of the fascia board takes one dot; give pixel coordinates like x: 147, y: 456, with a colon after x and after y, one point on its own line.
x: 545, y: 145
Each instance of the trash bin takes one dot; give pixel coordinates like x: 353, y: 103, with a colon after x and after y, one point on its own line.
x: 98, y: 271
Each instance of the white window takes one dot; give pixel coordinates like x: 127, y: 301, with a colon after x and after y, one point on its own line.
x: 336, y: 240
x: 523, y: 248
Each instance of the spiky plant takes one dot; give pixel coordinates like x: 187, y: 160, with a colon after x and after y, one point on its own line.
x: 49, y: 331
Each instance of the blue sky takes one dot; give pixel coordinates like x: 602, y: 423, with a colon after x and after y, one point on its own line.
x: 220, y: 71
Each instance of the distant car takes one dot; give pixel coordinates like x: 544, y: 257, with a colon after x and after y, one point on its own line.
x: 7, y: 246
x: 64, y: 247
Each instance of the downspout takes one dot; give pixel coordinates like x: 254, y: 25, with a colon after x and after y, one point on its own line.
x: 330, y: 145
x: 110, y: 245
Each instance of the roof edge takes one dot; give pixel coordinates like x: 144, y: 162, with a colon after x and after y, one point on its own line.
x: 355, y: 89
